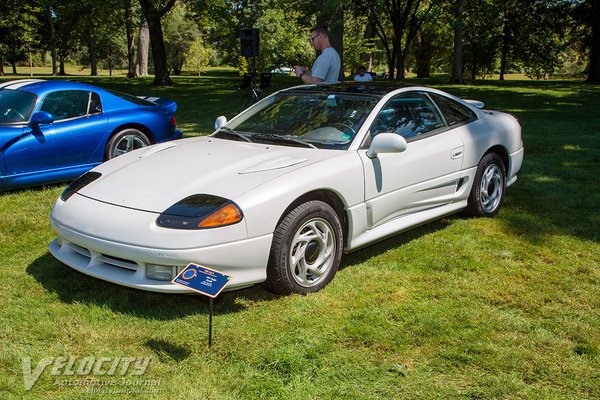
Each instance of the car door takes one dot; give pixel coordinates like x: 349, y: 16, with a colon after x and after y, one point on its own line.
x: 69, y: 141
x: 423, y: 176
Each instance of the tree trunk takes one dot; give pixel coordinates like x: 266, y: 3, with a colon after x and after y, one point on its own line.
x: 337, y: 35
x: 159, y: 53
x: 143, y: 46
x: 392, y: 63
x: 503, y: 58
x: 367, y: 58
x: 505, y: 47
x: 1, y: 65
x: 52, y: 41
x: 54, y: 66
x: 423, y: 50
x: 457, y: 69
x: 594, y: 66
x: 14, y: 67
x: 131, y: 71
x: 474, y: 62
x: 332, y: 16
x: 93, y: 58
x: 61, y: 70
x: 400, y: 66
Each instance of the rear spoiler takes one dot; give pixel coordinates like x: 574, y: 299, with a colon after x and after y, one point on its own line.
x: 165, y: 104
x: 476, y: 103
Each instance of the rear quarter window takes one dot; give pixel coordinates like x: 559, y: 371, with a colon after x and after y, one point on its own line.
x: 454, y: 113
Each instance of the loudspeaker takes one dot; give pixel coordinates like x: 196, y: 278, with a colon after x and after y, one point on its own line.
x: 249, y: 42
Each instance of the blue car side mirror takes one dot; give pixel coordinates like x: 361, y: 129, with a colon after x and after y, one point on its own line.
x: 40, y: 118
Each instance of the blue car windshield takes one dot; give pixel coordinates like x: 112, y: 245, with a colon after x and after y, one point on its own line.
x: 323, y: 120
x: 15, y: 106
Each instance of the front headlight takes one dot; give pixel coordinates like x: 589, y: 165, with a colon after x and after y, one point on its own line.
x: 79, y: 184
x: 200, y: 211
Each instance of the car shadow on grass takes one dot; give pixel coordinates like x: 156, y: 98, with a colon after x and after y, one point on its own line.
x: 74, y: 287
x: 373, y: 250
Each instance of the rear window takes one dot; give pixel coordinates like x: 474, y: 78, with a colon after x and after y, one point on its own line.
x: 132, y: 99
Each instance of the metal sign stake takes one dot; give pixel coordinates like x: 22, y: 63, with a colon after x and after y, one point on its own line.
x: 206, y: 281
x: 210, y: 316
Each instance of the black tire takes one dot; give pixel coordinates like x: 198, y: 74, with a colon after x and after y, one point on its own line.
x: 319, y: 249
x: 487, y: 193
x: 125, y: 141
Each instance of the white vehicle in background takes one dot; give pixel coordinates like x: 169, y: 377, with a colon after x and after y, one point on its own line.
x: 282, y: 70
x: 278, y: 193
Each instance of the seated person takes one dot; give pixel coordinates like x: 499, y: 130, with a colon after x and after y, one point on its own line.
x: 362, y: 75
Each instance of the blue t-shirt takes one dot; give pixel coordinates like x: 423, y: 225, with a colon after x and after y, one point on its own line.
x: 327, y: 66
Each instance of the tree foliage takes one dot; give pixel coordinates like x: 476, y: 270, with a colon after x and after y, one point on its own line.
x: 464, y: 38
x: 181, y: 32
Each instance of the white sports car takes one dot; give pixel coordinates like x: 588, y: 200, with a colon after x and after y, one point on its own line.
x: 278, y: 193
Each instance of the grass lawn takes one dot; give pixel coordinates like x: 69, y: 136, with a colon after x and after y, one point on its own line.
x: 504, y: 308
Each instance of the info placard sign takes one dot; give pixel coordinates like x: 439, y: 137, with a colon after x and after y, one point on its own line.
x: 202, y: 280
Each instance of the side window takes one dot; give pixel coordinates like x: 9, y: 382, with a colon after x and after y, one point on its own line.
x: 95, y: 104
x: 66, y: 104
x: 454, y: 112
x: 409, y: 115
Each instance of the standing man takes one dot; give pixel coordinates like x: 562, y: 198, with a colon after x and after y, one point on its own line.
x: 326, y: 67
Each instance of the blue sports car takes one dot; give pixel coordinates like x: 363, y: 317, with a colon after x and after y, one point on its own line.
x: 53, y: 131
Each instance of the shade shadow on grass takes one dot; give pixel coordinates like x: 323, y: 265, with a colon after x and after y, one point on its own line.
x: 74, y: 287
x: 373, y: 250
x: 166, y: 350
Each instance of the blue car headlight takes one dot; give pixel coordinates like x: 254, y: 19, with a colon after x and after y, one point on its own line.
x: 79, y: 184
x: 200, y: 211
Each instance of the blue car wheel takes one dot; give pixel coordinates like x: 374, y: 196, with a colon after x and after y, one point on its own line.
x: 126, y: 141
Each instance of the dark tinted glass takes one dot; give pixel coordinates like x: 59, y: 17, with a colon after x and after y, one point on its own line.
x: 132, y: 99
x: 409, y: 115
x: 95, y: 104
x: 66, y: 104
x: 15, y: 106
x: 453, y: 112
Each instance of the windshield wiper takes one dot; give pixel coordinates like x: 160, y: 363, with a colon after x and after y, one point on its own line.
x: 278, y: 138
x: 231, y: 132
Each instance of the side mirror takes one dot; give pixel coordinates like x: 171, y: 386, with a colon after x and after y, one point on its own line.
x: 40, y: 118
x: 219, y: 122
x: 386, y: 143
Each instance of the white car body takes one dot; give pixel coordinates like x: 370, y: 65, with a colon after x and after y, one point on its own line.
x: 108, y: 228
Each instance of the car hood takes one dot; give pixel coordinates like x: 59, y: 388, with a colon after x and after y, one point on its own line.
x: 155, y: 178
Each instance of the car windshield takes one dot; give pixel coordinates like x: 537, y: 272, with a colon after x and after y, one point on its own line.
x: 15, y: 106
x: 132, y: 99
x: 322, y: 120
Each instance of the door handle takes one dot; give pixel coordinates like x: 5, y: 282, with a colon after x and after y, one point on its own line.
x: 457, y: 153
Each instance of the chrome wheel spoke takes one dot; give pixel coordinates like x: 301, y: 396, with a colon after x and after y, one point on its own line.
x: 130, y: 143
x: 311, y: 252
x: 298, y: 254
x: 491, y: 188
x: 302, y: 271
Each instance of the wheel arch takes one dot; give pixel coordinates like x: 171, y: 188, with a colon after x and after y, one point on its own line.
x: 503, y: 153
x: 327, y: 196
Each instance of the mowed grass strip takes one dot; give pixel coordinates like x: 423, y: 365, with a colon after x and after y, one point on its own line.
x: 506, y: 307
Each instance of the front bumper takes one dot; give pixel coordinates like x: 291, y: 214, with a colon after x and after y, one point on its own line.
x: 125, y: 264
